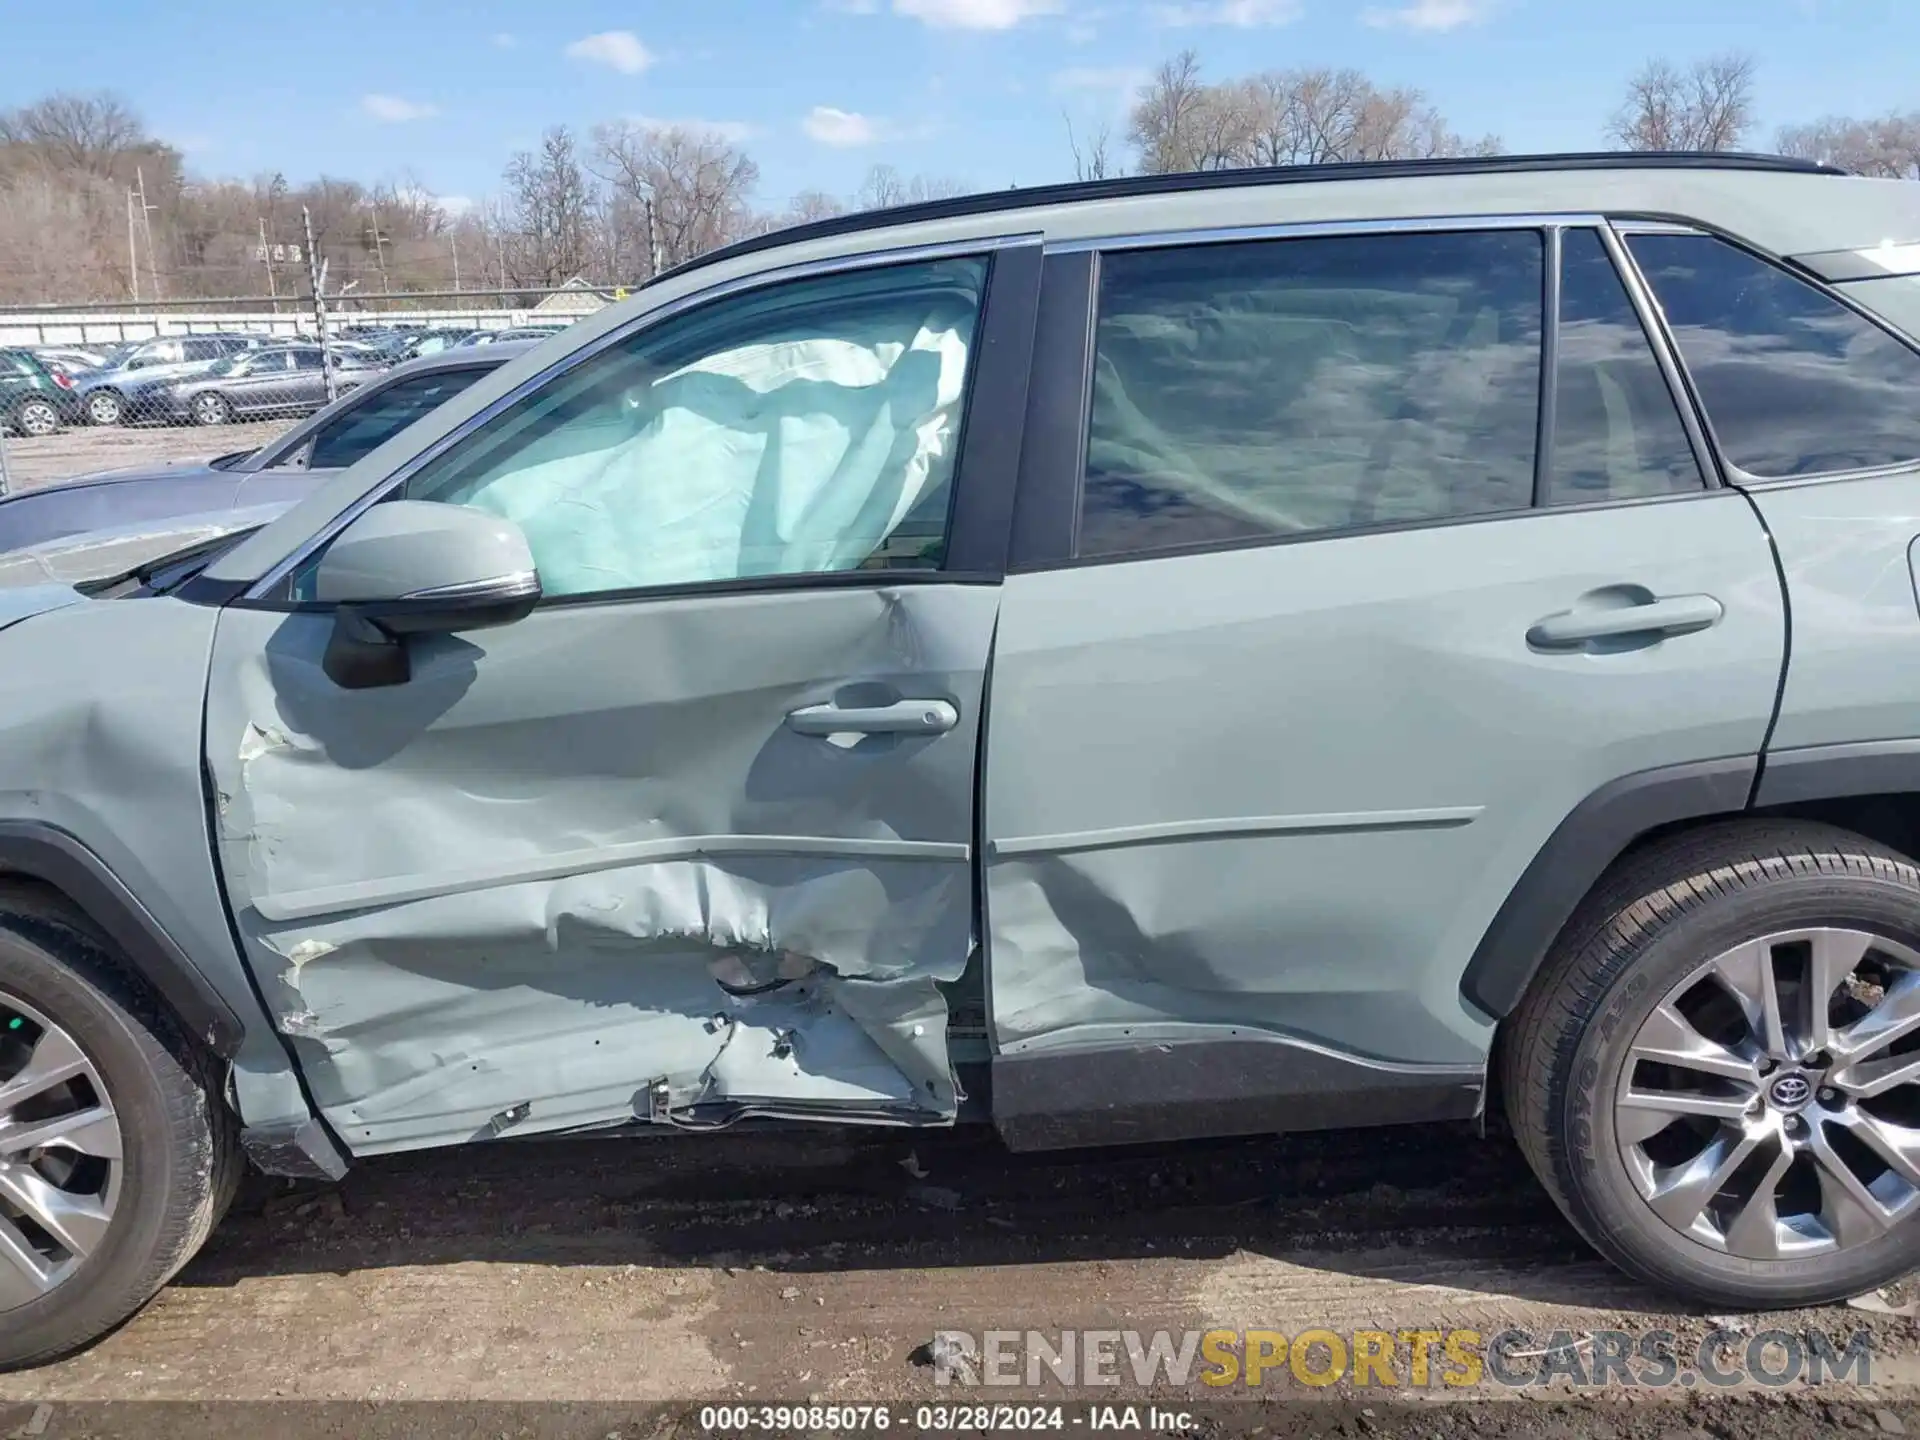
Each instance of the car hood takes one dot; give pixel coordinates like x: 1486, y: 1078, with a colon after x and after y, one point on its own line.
x: 163, y: 470
x: 25, y: 601
x: 98, y: 554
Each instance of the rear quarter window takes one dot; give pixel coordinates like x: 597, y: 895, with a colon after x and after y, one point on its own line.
x: 1793, y: 381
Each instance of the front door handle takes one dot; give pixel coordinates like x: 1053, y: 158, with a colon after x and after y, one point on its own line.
x: 1675, y: 615
x: 909, y: 717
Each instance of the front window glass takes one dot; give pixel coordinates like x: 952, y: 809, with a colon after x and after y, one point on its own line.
x: 807, y: 427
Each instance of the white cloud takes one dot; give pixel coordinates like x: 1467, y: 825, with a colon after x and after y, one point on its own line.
x: 975, y: 14
x: 393, y: 110
x: 842, y: 129
x: 1123, y: 79
x: 1242, y: 14
x: 1431, y: 15
x: 504, y: 41
x: 732, y: 131
x: 620, y: 49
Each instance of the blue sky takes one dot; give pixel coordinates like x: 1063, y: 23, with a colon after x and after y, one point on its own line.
x: 441, y: 93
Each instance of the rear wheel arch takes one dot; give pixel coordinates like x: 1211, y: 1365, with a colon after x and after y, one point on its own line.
x: 1615, y: 819
x: 46, y: 868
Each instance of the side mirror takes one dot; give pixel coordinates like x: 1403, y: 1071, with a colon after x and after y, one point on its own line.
x: 414, y: 567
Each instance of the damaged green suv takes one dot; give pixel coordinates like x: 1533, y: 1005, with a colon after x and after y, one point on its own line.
x: 1156, y: 658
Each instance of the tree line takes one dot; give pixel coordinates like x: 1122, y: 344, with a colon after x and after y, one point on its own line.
x: 95, y: 208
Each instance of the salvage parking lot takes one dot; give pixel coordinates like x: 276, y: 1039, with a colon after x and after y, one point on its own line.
x: 41, y: 460
x: 797, y: 1265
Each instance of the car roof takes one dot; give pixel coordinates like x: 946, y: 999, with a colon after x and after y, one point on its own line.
x: 1788, y: 208
x: 1082, y: 192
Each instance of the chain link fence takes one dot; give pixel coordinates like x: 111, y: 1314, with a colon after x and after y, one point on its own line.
x: 89, y: 387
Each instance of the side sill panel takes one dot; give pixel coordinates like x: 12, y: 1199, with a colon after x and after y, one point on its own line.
x: 1126, y: 1094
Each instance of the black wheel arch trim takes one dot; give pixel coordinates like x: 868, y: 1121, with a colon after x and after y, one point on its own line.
x: 60, y: 859
x: 1591, y: 837
x: 1834, y: 772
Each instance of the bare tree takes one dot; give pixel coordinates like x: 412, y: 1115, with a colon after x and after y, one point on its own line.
x: 689, y: 189
x: 1286, y: 117
x: 69, y: 132
x: 1707, y: 106
x: 885, y: 187
x: 1093, y: 158
x: 1888, y: 147
x: 548, y: 206
x: 812, y: 205
x: 1164, y: 124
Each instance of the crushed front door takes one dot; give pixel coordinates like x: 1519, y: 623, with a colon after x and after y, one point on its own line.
x: 679, y: 851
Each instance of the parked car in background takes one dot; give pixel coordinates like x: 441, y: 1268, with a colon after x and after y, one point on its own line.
x: 518, y: 332
x: 105, y: 391
x: 284, y: 380
x: 432, y: 342
x: 72, y: 360
x: 35, y: 399
x: 95, y: 525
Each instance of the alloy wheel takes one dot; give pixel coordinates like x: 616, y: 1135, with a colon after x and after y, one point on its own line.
x: 1769, y: 1106
x: 60, y: 1155
x: 38, y: 418
x: 104, y: 409
x: 210, y: 410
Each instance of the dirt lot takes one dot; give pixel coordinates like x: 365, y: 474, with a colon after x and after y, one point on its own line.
x: 789, y: 1267
x: 32, y: 462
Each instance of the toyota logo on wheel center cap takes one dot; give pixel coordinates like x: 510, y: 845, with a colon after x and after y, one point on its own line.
x: 1790, y: 1092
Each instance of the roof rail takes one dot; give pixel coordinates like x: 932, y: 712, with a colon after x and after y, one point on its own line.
x: 1128, y: 186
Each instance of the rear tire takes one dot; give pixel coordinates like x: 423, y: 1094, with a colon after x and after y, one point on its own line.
x: 179, y: 1160
x: 1658, y: 937
x: 36, y: 418
x: 104, y: 407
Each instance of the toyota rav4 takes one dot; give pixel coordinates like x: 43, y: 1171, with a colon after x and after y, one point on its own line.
x: 1147, y: 659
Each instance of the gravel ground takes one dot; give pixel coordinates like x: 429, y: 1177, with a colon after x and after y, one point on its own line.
x: 610, y: 1287
x: 50, y: 458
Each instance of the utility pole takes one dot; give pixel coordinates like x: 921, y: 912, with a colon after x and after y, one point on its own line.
x: 266, y: 254
x: 133, y: 256
x: 316, y: 276
x: 454, y: 241
x: 653, y: 239
x: 146, y: 228
x: 380, y: 248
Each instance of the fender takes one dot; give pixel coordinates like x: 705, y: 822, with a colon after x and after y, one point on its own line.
x: 50, y: 854
x: 1582, y: 846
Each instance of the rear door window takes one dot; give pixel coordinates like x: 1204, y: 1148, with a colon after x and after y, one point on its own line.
x: 1617, y: 433
x: 1793, y: 381
x: 1275, y: 388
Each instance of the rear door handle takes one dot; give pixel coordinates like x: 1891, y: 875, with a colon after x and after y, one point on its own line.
x: 1675, y: 615
x: 911, y: 717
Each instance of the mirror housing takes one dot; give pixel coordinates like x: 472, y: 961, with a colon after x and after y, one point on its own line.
x: 415, y: 567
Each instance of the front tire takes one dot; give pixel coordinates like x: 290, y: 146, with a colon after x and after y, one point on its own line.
x: 104, y: 407
x: 1717, y: 1072
x: 211, y: 409
x: 132, y: 1155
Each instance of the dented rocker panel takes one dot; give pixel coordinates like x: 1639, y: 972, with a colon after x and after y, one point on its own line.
x: 579, y: 871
